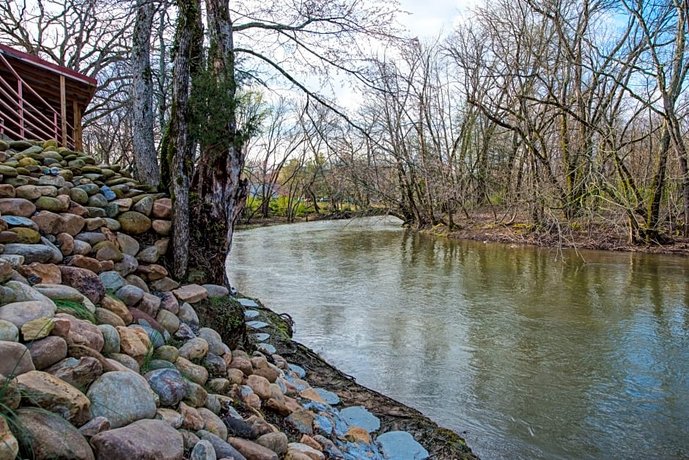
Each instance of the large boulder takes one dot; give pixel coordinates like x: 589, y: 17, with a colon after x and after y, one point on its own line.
x: 134, y: 222
x: 45, y: 436
x: 142, y: 440
x: 19, y: 313
x: 122, y: 397
x: 16, y: 359
x: 169, y: 385
x: 51, y: 393
x: 85, y: 281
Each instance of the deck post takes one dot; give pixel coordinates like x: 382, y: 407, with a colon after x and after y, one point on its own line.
x: 63, y: 109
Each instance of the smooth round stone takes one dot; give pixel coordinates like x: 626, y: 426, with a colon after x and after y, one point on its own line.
x: 8, y: 331
x: 160, y: 364
x: 203, y: 450
x: 130, y: 295
x: 111, y: 339
x: 400, y: 445
x: 134, y: 222
x: 169, y: 385
x: 49, y: 436
x: 167, y: 353
x: 19, y: 313
x: 215, y: 343
x: 18, y: 221
x: 194, y: 349
x: 298, y: 370
x: 143, y: 439
x: 112, y: 281
x: 79, y: 195
x: 122, y: 397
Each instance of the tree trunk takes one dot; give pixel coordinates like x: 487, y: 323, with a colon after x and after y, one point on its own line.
x: 221, y: 190
x: 145, y: 158
x: 179, y: 146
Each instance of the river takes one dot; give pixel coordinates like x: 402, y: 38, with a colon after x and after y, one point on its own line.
x: 528, y: 352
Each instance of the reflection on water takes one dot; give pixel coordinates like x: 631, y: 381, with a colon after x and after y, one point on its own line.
x: 534, y: 355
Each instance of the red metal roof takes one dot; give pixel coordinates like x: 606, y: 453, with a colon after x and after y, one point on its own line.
x: 38, y: 62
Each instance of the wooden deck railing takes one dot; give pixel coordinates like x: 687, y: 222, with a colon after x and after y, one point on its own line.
x: 19, y: 119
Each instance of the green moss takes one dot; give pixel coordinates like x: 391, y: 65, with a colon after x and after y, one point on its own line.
x: 225, y: 316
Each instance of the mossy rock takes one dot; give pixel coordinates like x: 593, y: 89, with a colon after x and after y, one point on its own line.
x: 226, y: 317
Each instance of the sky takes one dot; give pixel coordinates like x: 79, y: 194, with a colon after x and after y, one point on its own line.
x: 428, y: 18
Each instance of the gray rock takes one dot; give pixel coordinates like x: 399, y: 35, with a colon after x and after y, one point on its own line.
x: 23, y: 292
x: 111, y: 339
x: 122, y: 397
x: 127, y: 265
x: 400, y: 445
x: 59, y: 291
x: 215, y: 344
x: 203, y: 450
x: 247, y: 303
x: 48, y: 436
x: 168, y: 384
x: 188, y: 315
x: 142, y: 440
x: 8, y: 331
x: 112, y: 281
x: 19, y: 313
x: 128, y: 244
x: 149, y: 255
x: 16, y: 359
x: 31, y: 252
x: 130, y: 295
x: 48, y: 351
x: 91, y: 238
x: 222, y: 449
x: 215, y: 290
x: 277, y: 442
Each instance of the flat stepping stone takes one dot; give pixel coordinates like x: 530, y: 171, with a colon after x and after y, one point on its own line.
x: 251, y: 314
x: 257, y: 324
x: 359, y: 416
x: 328, y: 396
x: 266, y: 348
x: 247, y: 303
x: 400, y: 445
x: 261, y: 336
x: 300, y: 371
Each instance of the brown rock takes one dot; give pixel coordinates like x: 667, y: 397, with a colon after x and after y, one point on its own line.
x: 152, y: 272
x: 16, y: 207
x: 85, y: 281
x: 16, y: 359
x: 277, y: 442
x: 81, y: 332
x: 94, y: 426
x: 41, y: 273
x: 48, y: 222
x: 104, y: 316
x: 311, y: 394
x: 78, y: 372
x: 71, y: 223
x: 89, y: 263
x: 149, y: 304
x: 9, y: 447
x: 357, y: 434
x: 252, y: 450
x: 162, y: 208
x: 138, y: 315
x: 191, y: 293
x: 134, y: 222
x: 7, y: 191
x: 260, y: 385
x: 48, y: 351
x: 51, y: 393
x: 65, y: 242
x: 164, y: 284
x: 141, y: 440
x: 162, y: 227
x: 169, y: 302
x: 192, y: 420
x: 48, y: 436
x: 118, y: 307
x: 132, y: 343
x: 243, y: 364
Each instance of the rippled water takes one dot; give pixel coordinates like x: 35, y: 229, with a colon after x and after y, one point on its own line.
x: 531, y: 352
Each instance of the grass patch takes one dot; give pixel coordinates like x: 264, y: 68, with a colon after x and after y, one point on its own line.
x: 74, y: 308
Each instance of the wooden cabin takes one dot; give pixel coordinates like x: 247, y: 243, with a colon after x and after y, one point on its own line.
x: 41, y: 100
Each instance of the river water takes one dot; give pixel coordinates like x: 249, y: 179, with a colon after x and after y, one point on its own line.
x: 530, y: 353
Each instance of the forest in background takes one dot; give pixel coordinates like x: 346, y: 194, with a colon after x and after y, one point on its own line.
x: 554, y: 115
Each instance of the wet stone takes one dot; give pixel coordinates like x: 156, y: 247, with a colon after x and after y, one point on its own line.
x: 257, y: 324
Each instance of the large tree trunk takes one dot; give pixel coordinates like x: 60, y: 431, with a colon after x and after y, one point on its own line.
x: 179, y: 146
x: 217, y: 181
x: 145, y: 157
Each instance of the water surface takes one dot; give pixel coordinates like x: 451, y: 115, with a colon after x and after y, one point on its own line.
x: 532, y: 353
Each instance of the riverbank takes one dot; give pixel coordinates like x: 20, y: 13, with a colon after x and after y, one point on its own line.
x: 440, y: 443
x: 484, y: 227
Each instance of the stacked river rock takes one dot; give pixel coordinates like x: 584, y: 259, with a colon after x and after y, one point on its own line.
x: 102, y: 354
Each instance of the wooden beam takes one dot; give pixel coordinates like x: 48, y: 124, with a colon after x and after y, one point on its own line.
x: 63, y: 110
x: 77, y: 127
